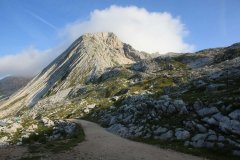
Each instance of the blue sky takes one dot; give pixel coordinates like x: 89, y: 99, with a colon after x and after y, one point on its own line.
x: 38, y: 23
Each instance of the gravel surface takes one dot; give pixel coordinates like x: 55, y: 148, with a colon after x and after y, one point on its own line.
x: 101, y: 145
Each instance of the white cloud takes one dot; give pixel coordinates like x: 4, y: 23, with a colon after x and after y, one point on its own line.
x: 144, y: 30
x: 28, y: 62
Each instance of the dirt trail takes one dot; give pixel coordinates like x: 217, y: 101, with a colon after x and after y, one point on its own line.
x: 102, y: 145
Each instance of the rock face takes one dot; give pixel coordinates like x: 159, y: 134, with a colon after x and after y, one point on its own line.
x: 82, y: 62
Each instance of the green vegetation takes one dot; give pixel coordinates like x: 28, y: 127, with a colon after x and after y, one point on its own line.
x: 226, y: 94
x: 57, y: 146
x: 39, y: 135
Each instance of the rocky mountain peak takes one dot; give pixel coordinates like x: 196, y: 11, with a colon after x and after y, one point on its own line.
x: 108, y: 38
x: 83, y: 62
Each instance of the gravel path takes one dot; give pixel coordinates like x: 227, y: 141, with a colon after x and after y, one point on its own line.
x: 100, y: 145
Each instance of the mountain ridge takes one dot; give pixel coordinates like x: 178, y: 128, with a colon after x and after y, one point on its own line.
x: 82, y: 62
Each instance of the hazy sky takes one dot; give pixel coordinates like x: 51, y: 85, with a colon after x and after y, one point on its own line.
x: 33, y: 32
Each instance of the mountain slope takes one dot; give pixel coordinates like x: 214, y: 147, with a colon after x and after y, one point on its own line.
x: 81, y: 63
x: 11, y: 84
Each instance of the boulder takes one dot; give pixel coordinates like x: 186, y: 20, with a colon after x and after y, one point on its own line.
x: 88, y: 108
x: 180, y: 106
x: 47, y: 122
x: 198, y: 105
x: 182, y: 134
x: 165, y: 97
x: 210, y: 121
x: 207, y: 111
x: 198, y: 137
x: 119, y: 129
x: 212, y: 137
x: 167, y: 135
x: 160, y: 130
x: 235, y: 115
x: 201, y: 128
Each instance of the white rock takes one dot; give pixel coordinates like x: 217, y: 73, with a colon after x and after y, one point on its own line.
x: 47, y: 122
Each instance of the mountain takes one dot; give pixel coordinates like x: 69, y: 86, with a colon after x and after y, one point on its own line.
x: 83, y: 62
x: 11, y: 84
x: 188, y: 102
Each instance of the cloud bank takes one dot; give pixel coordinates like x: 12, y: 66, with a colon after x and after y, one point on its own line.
x: 28, y: 62
x: 146, y: 31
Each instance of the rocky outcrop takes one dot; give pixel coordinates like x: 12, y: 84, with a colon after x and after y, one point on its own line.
x: 19, y: 132
x: 198, y: 125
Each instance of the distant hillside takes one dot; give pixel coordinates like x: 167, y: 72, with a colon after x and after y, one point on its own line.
x: 11, y: 84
